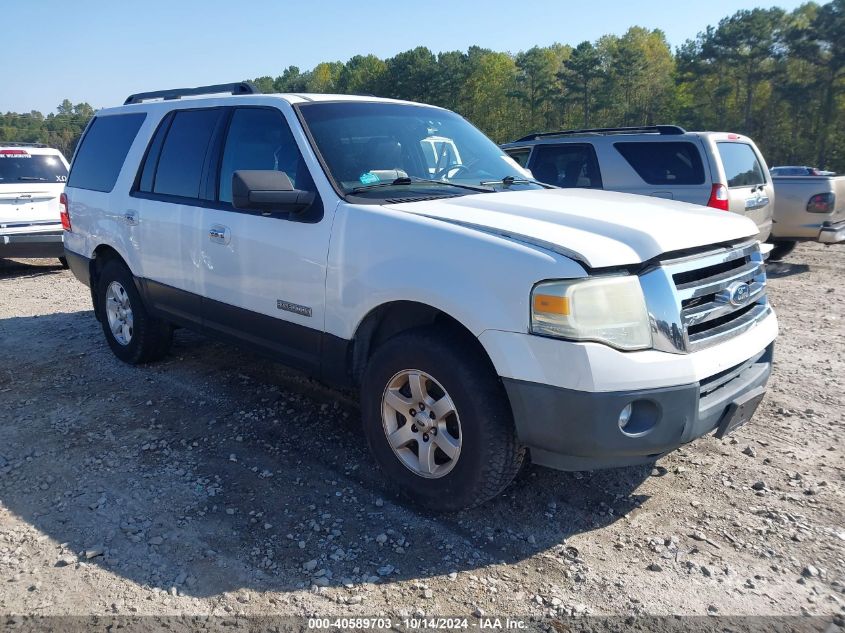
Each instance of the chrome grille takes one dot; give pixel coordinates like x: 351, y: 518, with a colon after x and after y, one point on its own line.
x: 704, y: 299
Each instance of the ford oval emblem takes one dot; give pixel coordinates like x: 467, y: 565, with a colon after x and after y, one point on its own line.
x: 739, y: 294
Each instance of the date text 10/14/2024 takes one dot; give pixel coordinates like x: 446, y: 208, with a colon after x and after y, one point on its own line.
x: 417, y: 623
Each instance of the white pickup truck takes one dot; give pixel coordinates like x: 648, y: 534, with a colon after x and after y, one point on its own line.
x: 483, y: 316
x: 807, y: 209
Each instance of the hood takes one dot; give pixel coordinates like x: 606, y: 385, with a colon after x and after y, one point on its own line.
x: 598, y: 228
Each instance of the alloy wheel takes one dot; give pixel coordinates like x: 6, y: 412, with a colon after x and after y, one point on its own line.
x: 119, y: 313
x: 421, y: 423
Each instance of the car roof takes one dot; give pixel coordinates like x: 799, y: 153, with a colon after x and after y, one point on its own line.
x: 582, y: 137
x: 252, y: 99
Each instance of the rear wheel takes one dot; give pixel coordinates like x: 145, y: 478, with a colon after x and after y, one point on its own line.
x: 132, y: 333
x: 781, y: 249
x: 438, y: 421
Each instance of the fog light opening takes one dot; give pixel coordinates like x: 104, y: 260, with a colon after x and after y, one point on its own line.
x: 638, y: 418
x: 625, y: 416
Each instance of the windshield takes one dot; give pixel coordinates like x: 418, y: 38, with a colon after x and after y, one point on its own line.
x: 391, y: 150
x: 20, y: 166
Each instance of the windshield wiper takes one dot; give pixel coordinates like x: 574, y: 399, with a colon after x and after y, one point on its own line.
x: 407, y: 180
x: 507, y: 181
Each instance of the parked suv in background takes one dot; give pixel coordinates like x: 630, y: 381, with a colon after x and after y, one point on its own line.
x: 32, y: 177
x: 716, y: 169
x: 482, y: 316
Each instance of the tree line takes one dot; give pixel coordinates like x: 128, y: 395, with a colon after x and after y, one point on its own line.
x: 774, y: 75
x: 61, y: 129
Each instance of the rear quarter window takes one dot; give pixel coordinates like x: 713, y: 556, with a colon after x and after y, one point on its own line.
x: 104, y: 147
x: 742, y: 169
x: 519, y: 155
x: 664, y: 163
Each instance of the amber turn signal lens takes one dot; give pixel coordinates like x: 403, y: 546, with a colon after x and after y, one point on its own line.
x: 551, y: 304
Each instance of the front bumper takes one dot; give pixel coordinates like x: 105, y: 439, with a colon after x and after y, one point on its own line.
x: 37, y: 241
x: 569, y: 429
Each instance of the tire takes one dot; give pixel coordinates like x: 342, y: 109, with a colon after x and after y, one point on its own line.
x: 63, y: 262
x: 141, y: 338
x: 782, y: 249
x: 488, y: 456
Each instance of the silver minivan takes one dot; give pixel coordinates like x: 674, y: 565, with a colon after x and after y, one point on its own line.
x: 717, y: 169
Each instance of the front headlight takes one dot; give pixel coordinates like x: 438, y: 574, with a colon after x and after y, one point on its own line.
x: 610, y: 310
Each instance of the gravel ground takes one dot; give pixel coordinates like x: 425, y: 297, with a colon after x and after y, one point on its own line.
x: 215, y: 482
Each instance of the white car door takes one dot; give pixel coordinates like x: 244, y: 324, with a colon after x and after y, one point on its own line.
x: 265, y: 273
x: 169, y: 214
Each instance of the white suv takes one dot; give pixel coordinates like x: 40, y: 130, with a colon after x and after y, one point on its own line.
x: 483, y: 316
x: 32, y: 177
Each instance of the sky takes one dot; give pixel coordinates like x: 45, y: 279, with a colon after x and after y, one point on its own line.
x: 101, y: 51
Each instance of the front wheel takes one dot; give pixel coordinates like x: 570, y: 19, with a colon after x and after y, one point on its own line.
x: 438, y: 421
x: 131, y: 332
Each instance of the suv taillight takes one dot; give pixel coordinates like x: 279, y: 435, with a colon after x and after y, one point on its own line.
x: 718, y: 197
x: 63, y: 212
x: 821, y: 203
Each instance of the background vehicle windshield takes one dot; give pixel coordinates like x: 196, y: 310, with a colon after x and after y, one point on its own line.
x: 373, y: 143
x: 21, y: 166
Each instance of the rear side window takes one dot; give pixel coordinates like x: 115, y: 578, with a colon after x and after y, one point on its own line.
x: 569, y: 165
x: 103, y: 150
x: 18, y: 165
x: 742, y: 169
x: 182, y: 158
x: 670, y: 163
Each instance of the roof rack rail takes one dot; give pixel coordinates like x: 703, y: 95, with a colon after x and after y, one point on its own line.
x: 21, y: 144
x: 659, y: 129
x: 240, y: 88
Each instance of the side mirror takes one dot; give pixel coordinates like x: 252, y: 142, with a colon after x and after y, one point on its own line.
x: 267, y: 190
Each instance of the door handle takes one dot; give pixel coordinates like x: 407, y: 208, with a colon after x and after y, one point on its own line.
x: 219, y: 234
x: 757, y: 202
x: 131, y: 217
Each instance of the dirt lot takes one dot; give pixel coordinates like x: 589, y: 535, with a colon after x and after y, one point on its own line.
x: 218, y: 483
